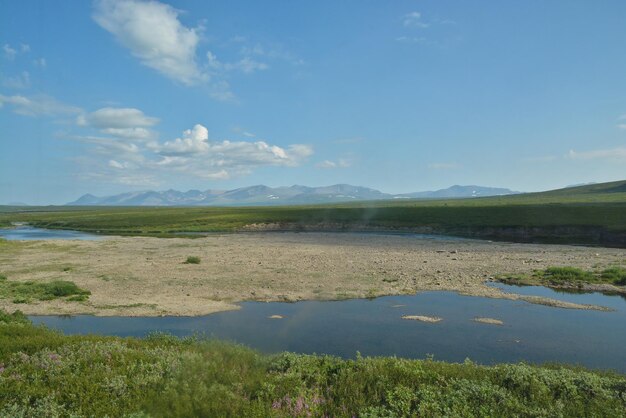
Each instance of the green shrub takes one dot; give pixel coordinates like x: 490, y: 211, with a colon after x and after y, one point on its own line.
x: 16, y: 317
x: 61, y: 288
x: 24, y: 292
x: 192, y: 260
x: 617, y: 275
x: 567, y: 274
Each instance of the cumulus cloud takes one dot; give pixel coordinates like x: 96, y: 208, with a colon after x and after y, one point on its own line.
x: 153, y: 33
x: 194, y: 141
x: 192, y: 154
x: 38, y: 106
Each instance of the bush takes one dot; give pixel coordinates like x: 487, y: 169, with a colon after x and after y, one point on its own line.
x: 615, y: 274
x: 192, y: 260
x: 25, y: 292
x: 16, y: 317
x: 61, y: 288
x: 567, y: 274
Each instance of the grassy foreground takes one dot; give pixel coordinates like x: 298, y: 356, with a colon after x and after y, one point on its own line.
x: 46, y: 374
x: 588, y: 215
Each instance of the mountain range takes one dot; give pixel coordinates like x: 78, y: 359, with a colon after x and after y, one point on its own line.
x: 264, y: 195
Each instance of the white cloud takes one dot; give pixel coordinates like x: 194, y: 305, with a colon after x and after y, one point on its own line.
x: 414, y: 19
x: 37, y: 106
x: 21, y: 81
x: 194, y: 141
x: 9, y: 52
x: 117, y: 118
x: 153, y: 33
x: 129, y: 133
x: 193, y: 154
x: 119, y: 122
x: 25, y: 47
x: 328, y: 164
x: 615, y: 154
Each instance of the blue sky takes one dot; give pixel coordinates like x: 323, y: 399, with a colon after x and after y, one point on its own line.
x: 113, y: 96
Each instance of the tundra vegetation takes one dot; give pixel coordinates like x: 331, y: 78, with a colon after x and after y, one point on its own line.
x: 29, y: 291
x: 571, y: 277
x: 594, y: 214
x: 45, y: 373
x: 192, y: 260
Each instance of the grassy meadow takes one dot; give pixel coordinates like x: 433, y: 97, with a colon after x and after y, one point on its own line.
x: 45, y: 373
x: 587, y: 215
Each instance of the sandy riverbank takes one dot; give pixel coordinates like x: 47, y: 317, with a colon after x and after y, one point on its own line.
x: 138, y: 276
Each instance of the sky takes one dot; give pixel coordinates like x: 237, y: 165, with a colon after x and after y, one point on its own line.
x: 110, y: 96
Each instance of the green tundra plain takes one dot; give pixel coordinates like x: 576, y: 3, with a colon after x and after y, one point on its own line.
x: 592, y: 214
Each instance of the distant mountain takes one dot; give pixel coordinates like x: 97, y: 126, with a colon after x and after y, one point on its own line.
x: 459, y: 192
x: 264, y: 195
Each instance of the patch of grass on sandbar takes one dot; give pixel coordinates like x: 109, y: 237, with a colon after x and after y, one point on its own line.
x: 28, y: 291
x: 192, y: 260
x: 569, y: 276
x: 615, y: 274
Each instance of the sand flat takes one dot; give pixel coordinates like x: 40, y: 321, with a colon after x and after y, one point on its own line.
x: 143, y: 276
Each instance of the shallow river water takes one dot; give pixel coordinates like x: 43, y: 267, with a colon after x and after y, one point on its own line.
x: 532, y: 333
x: 30, y: 233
